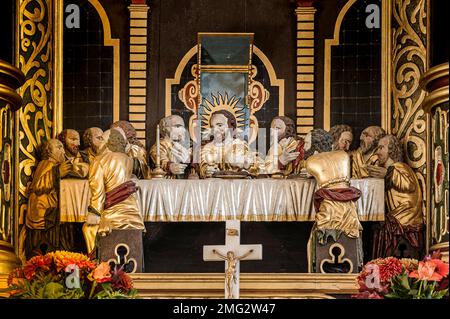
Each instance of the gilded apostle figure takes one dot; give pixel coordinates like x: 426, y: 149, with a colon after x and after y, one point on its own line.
x: 44, y: 232
x: 286, y: 154
x: 225, y: 152
x: 71, y: 141
x: 175, y: 150
x: 134, y: 149
x: 113, y: 202
x: 404, y: 218
x: 366, y: 154
x: 334, y: 203
x: 93, y: 142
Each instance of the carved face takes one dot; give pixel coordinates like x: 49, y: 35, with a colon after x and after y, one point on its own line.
x: 278, y: 126
x: 344, y: 142
x: 97, y: 141
x: 383, y: 150
x: 307, y: 145
x: 177, y: 130
x: 367, y: 140
x: 57, y: 151
x: 72, y: 142
x: 219, y: 126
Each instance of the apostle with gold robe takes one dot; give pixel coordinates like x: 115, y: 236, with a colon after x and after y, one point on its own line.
x: 366, y: 154
x: 134, y: 149
x: 334, y: 202
x: 93, y: 142
x: 113, y: 203
x: 225, y: 152
x: 175, y: 151
x: 404, y: 218
x: 43, y: 230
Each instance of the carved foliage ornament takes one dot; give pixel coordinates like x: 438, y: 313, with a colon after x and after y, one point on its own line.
x: 409, y: 61
x: 35, y: 117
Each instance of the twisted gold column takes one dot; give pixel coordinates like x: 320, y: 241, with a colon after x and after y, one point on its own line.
x: 10, y: 79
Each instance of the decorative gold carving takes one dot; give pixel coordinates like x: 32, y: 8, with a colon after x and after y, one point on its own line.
x: 36, y: 116
x: 438, y: 95
x: 385, y: 64
x: 409, y: 61
x: 189, y: 93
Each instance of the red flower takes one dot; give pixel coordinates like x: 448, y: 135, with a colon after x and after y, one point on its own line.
x: 433, y: 269
x: 390, y: 268
x: 121, y: 280
x: 35, y: 263
x: 102, y: 273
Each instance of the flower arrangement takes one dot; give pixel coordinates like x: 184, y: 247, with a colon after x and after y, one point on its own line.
x: 404, y: 278
x: 67, y: 275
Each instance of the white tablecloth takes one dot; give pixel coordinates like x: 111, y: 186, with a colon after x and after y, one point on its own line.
x: 223, y: 199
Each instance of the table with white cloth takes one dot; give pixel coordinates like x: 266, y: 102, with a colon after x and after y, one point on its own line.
x: 214, y: 200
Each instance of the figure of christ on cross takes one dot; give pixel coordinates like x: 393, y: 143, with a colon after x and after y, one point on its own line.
x: 230, y: 273
x: 235, y: 253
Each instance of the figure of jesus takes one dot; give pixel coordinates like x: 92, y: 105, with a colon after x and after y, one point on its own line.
x: 230, y: 273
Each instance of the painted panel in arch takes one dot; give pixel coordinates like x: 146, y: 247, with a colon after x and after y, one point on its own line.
x: 228, y: 90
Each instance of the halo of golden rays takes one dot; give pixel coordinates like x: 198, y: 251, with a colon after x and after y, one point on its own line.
x: 220, y: 102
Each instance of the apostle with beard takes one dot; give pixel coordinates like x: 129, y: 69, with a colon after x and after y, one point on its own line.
x: 175, y: 151
x: 43, y: 230
x: 404, y: 218
x: 366, y: 155
x: 71, y: 141
x: 289, y: 150
x: 342, y: 137
x: 93, y: 142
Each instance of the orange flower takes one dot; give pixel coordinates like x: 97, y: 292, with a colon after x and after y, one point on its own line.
x: 102, y: 273
x: 433, y: 269
x: 63, y: 259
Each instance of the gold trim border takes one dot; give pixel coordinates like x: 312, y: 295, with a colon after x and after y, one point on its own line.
x: 274, y: 81
x: 252, y: 285
x: 385, y: 64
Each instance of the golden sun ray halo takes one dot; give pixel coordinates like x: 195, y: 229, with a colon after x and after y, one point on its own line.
x: 220, y: 102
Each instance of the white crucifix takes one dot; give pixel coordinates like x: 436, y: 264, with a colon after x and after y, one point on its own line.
x: 232, y: 253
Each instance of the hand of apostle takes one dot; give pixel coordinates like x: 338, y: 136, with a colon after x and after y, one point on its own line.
x: 92, y: 219
x: 287, y: 157
x: 177, y: 168
x: 211, y: 170
x: 376, y: 171
x: 65, y: 168
x: 180, y: 153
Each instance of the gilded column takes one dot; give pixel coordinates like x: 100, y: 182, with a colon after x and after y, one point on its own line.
x: 305, y: 13
x: 138, y: 67
x: 10, y: 101
x: 435, y: 83
x: 409, y: 61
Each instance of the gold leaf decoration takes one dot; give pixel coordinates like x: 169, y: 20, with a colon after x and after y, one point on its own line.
x: 409, y: 61
x: 35, y: 117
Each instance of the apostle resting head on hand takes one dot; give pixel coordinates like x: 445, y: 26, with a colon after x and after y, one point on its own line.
x: 404, y: 218
x: 366, y: 155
